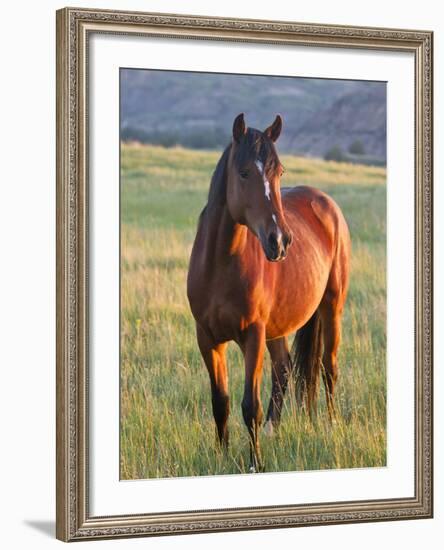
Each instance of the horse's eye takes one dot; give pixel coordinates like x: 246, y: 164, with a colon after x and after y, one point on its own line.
x: 244, y: 174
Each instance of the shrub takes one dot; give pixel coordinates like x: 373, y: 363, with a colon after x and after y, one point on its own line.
x: 334, y: 153
x: 357, y: 148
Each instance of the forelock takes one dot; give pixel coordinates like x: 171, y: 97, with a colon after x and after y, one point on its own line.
x: 254, y: 146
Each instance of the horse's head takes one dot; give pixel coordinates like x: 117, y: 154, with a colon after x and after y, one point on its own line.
x: 253, y: 186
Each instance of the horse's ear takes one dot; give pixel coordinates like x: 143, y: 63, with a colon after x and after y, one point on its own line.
x: 239, y: 128
x: 274, y: 131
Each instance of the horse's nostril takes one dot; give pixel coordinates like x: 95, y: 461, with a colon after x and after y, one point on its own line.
x: 272, y: 241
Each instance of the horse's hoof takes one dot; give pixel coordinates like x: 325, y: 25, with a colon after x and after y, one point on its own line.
x: 252, y: 470
x: 268, y: 428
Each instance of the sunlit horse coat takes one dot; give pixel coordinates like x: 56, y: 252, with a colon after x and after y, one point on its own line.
x: 267, y: 262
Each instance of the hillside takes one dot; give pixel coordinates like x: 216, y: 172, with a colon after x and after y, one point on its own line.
x: 358, y: 116
x: 197, y: 109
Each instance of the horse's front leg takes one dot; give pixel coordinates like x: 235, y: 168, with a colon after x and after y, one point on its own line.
x: 214, y: 357
x: 253, y: 347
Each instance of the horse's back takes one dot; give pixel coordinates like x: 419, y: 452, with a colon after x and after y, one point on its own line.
x: 323, y: 206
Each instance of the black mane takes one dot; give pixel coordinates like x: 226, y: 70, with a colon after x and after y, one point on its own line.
x: 217, y: 192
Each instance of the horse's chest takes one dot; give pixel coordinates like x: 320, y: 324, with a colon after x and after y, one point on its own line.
x: 226, y: 308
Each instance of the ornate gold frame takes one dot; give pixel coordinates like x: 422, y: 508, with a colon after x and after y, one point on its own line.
x: 73, y: 519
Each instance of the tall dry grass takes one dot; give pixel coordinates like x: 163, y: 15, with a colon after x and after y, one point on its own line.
x: 167, y: 427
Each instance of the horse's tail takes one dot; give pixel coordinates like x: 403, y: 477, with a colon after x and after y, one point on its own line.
x: 306, y: 354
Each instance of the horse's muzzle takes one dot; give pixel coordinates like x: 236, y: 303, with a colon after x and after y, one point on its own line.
x: 276, y: 245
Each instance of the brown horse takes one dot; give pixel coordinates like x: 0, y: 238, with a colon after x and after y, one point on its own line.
x: 247, y: 282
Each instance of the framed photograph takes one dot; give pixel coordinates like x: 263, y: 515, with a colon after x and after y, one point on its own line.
x: 244, y: 274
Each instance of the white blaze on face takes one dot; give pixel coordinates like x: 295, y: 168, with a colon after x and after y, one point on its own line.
x: 260, y: 167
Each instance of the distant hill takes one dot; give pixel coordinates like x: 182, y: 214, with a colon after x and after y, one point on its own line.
x: 359, y: 116
x: 197, y: 110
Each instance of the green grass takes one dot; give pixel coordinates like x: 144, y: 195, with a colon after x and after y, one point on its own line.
x: 167, y: 428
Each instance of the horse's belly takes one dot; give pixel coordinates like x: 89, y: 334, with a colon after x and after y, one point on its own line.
x: 296, y: 298
x: 290, y: 316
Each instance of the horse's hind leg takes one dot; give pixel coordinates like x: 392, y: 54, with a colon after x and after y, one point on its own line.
x: 281, y: 367
x: 331, y: 308
x: 331, y: 315
x: 214, y: 357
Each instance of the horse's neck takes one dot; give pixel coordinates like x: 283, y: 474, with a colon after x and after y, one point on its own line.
x: 224, y: 238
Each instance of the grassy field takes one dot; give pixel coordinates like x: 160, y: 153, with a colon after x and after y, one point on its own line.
x: 167, y: 428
